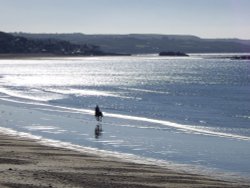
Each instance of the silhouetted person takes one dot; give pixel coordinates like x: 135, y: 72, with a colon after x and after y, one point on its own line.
x: 98, y: 113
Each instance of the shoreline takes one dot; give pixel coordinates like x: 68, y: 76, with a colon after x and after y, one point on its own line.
x: 229, y: 56
x: 28, y: 56
x: 17, y: 116
x: 26, y: 163
x: 167, y: 172
x: 44, y: 56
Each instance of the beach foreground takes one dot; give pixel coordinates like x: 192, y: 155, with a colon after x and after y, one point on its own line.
x: 25, y: 163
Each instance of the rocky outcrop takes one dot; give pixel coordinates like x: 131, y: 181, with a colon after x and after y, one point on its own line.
x: 175, y: 54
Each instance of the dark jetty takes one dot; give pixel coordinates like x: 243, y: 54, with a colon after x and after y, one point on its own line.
x: 175, y: 54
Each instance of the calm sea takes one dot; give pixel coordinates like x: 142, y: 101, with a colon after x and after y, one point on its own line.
x: 190, y: 111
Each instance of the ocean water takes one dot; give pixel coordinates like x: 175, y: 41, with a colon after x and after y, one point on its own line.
x: 191, y: 111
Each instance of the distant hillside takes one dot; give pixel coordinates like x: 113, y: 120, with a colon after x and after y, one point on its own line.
x: 150, y: 43
x: 10, y: 44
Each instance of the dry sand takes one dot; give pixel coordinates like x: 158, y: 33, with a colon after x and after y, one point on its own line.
x: 25, y: 164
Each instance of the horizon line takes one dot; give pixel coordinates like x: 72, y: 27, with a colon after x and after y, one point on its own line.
x: 120, y: 34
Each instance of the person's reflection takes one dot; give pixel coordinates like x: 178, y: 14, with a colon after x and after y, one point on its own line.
x: 98, y: 131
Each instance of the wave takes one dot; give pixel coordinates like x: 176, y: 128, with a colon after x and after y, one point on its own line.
x: 145, y: 90
x: 182, y: 127
x: 85, y: 92
x: 31, y: 94
x: 51, y: 94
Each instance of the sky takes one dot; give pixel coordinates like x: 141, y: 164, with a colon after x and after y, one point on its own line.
x: 203, y: 18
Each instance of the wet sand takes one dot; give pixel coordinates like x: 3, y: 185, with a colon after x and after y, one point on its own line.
x: 25, y: 164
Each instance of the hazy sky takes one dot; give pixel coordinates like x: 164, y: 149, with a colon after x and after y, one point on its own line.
x: 204, y: 18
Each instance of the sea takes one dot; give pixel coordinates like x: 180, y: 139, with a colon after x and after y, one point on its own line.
x: 191, y: 113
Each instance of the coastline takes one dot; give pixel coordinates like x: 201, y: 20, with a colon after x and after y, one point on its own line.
x: 48, y: 55
x: 27, y: 56
x: 25, y: 163
x: 37, y: 162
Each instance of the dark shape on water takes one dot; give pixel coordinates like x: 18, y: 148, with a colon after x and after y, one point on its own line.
x: 241, y: 57
x: 174, y: 54
x: 98, y: 130
x: 98, y: 113
x: 98, y: 116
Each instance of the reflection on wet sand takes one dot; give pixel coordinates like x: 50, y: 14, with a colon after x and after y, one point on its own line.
x: 98, y: 131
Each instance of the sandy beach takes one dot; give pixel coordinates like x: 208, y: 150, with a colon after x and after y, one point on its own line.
x: 25, y: 163
x: 124, y: 94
